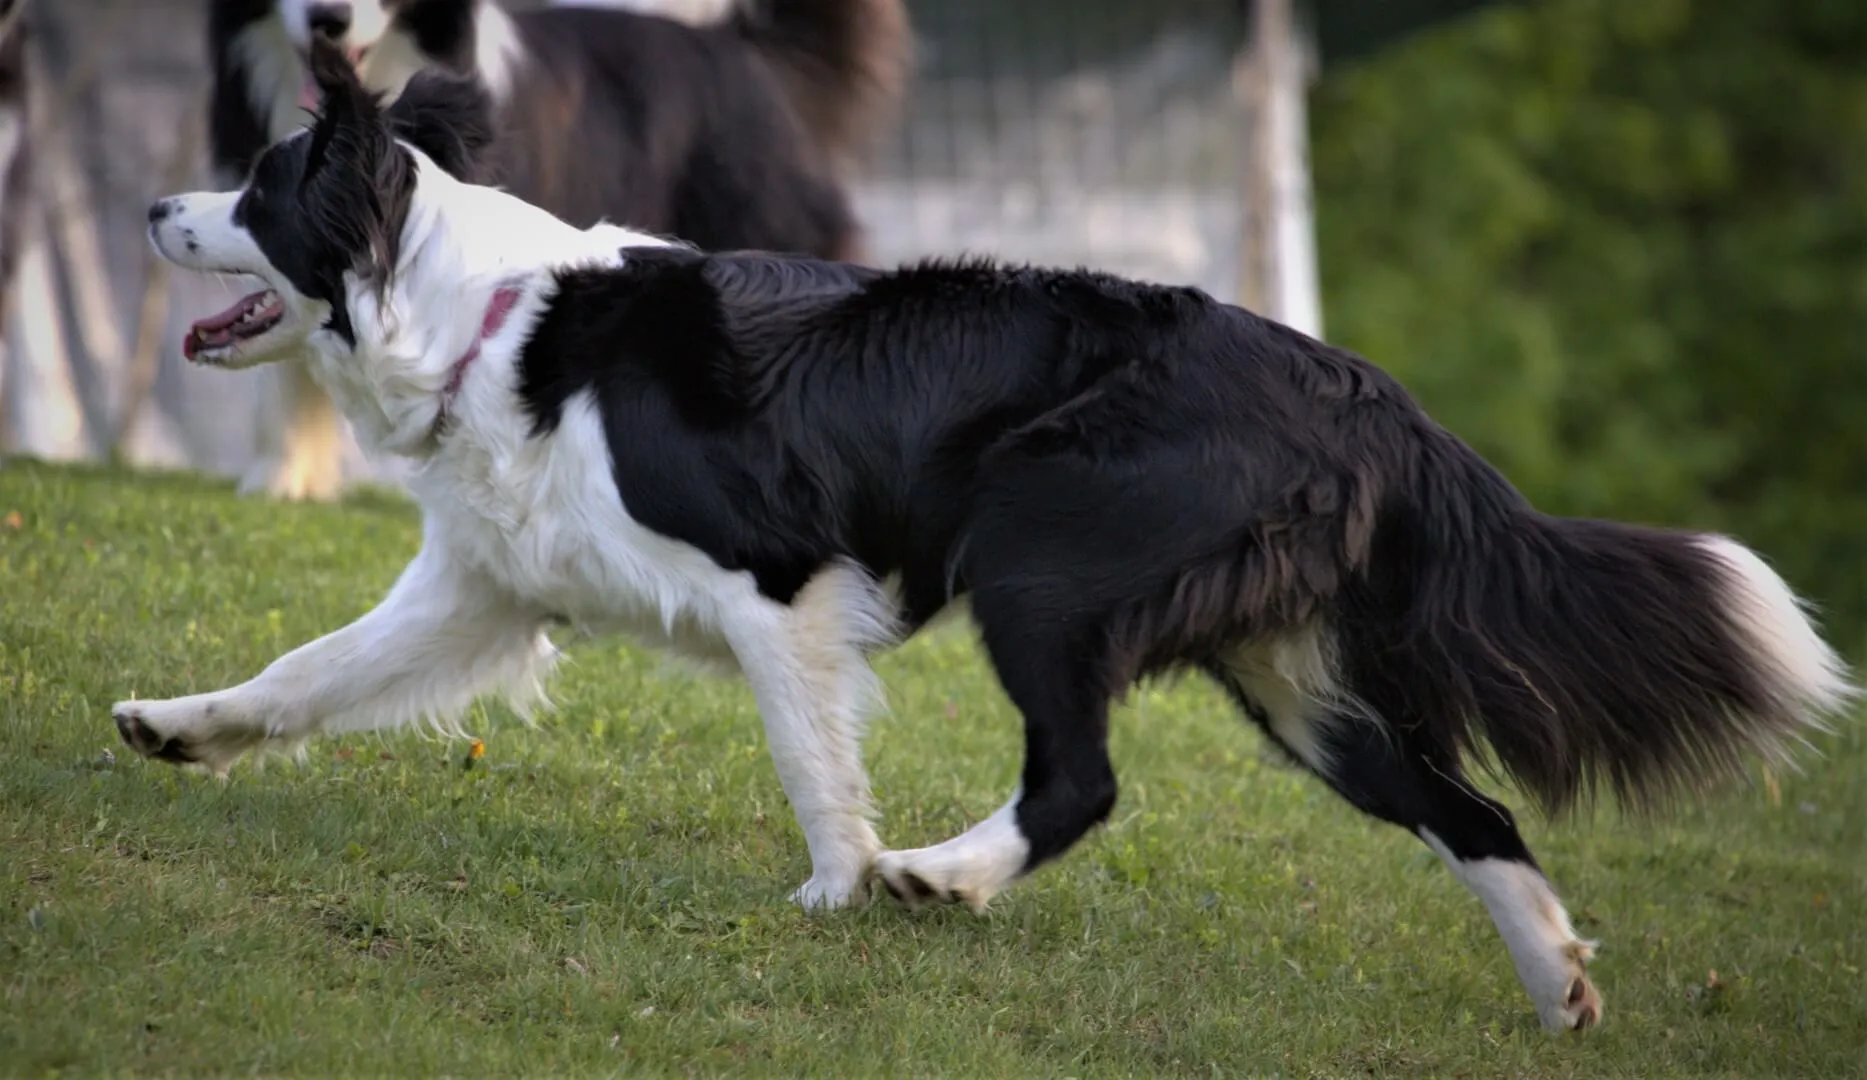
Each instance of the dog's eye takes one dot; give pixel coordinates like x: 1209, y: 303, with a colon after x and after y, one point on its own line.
x: 243, y: 206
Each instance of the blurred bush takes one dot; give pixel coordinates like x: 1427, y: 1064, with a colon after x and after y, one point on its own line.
x: 1622, y: 249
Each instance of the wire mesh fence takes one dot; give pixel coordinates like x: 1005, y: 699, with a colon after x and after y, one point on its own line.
x: 1096, y: 132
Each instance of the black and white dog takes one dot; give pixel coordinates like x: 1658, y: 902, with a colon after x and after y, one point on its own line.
x: 781, y: 465
x: 736, y: 133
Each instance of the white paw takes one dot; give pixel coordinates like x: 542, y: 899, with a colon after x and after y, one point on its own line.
x: 924, y: 876
x: 842, y: 861
x: 829, y: 893
x: 971, y: 868
x: 1551, y: 962
x: 300, y: 479
x: 199, y: 730
x: 1568, y: 1000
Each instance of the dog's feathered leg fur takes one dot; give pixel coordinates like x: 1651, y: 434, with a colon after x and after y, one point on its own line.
x: 807, y: 663
x: 433, y: 645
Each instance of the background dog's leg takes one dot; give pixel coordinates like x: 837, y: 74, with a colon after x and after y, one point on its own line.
x: 808, y: 667
x: 300, y: 438
x: 436, y: 642
x: 1385, y: 773
x: 1053, y: 673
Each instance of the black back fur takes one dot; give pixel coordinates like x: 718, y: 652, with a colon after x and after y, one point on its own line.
x: 1166, y: 478
x: 668, y: 128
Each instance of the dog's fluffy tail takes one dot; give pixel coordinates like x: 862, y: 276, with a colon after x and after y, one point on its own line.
x: 845, y: 63
x: 1584, y: 652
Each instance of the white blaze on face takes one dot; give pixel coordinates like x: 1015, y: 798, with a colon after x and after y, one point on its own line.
x: 274, y: 50
x: 368, y: 19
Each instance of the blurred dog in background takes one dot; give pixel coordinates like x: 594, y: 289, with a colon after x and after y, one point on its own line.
x: 15, y: 157
x: 731, y: 124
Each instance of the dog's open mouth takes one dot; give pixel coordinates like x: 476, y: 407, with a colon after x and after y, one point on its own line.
x: 250, y: 317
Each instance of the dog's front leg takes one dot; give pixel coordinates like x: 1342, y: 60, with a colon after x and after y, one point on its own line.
x: 441, y: 638
x: 808, y: 666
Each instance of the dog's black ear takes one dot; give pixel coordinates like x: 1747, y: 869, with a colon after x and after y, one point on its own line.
x: 449, y: 118
x: 344, y: 105
x: 338, y: 84
x: 357, y: 183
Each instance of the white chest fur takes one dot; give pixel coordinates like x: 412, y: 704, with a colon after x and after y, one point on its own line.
x: 540, y: 519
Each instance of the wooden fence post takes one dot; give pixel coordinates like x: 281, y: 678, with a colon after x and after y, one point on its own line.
x: 1277, y: 267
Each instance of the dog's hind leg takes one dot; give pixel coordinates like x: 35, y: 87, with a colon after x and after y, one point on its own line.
x: 1052, y: 670
x: 438, y: 640
x: 300, y: 438
x: 1386, y: 773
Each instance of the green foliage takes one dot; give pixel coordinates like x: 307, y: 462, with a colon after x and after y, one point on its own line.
x: 606, y: 895
x: 1622, y: 249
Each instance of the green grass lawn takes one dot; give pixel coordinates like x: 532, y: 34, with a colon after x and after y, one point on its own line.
x: 606, y: 893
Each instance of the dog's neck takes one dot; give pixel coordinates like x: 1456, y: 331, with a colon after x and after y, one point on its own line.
x: 462, y: 246
x: 406, y: 384
x: 505, y: 298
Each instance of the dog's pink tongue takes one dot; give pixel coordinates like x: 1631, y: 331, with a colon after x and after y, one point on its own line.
x: 308, y: 93
x: 217, y: 330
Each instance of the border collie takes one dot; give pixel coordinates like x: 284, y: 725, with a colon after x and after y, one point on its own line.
x: 781, y: 465
x: 737, y: 133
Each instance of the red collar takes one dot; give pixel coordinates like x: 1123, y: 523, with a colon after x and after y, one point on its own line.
x: 497, y: 309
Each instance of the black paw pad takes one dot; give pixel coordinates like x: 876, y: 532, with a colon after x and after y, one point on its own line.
x: 914, y: 891
x: 141, y: 738
x: 1587, y: 1005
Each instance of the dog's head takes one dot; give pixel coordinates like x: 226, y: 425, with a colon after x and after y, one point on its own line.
x: 386, y: 40
x: 352, y: 27
x: 320, y: 221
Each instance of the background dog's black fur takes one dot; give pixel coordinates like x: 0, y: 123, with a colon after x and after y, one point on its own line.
x: 729, y: 136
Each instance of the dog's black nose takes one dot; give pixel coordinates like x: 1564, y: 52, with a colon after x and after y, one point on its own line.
x: 160, y: 209
x: 330, y: 20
